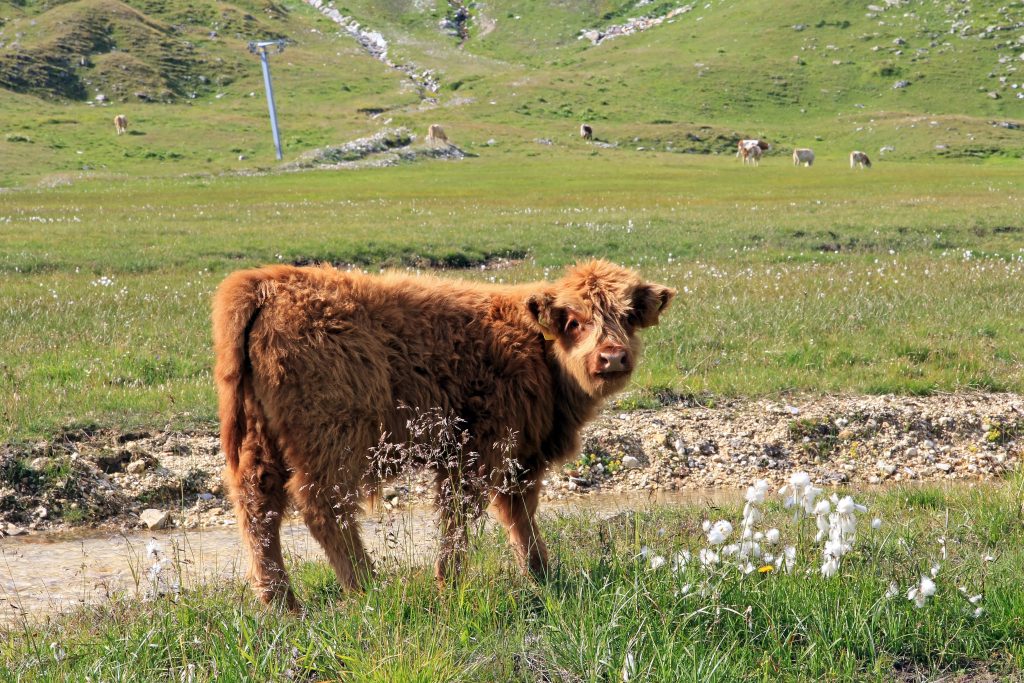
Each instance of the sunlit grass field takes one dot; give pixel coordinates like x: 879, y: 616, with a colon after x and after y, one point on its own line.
x: 617, y: 607
x: 902, y: 279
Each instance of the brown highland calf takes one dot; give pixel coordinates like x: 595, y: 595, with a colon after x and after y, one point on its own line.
x: 315, y: 366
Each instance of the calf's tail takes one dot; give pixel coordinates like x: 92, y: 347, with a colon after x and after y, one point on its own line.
x: 236, y: 304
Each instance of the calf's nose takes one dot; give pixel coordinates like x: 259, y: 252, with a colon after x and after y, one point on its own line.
x: 612, y: 360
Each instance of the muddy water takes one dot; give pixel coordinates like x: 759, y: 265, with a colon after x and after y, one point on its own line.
x: 49, y: 573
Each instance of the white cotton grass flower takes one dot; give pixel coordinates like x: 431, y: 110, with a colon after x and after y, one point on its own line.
x: 153, y: 550
x: 757, y: 493
x: 772, y: 536
x: 657, y: 562
x: 719, y: 532
x: 680, y: 561
x: 821, y: 514
x: 876, y: 523
x: 800, y: 493
x: 794, y: 490
x: 920, y: 594
x: 978, y: 612
x: 708, y: 557
x: 830, y: 567
x: 892, y: 591
x: 975, y: 599
x: 784, y: 561
x: 935, y: 569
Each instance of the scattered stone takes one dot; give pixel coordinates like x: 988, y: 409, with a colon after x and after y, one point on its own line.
x: 630, y: 463
x: 38, y: 464
x: 900, y: 84
x: 40, y: 512
x: 136, y: 467
x: 15, y: 530
x: 596, y: 37
x: 155, y: 519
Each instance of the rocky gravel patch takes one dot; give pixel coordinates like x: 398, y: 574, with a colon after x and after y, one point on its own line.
x: 840, y: 440
x: 171, y: 479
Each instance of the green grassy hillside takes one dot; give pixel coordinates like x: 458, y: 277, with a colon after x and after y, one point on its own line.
x: 808, y: 72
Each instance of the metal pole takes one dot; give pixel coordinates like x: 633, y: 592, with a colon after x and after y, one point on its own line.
x: 270, y: 100
x: 260, y: 47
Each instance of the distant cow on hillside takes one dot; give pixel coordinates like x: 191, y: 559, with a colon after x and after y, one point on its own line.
x: 803, y: 155
x: 859, y: 159
x: 751, y: 154
x: 753, y: 142
x: 586, y: 132
x: 436, y: 135
x: 317, y: 370
x: 121, y: 123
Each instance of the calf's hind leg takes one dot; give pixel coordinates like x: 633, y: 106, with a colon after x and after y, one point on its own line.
x: 258, y: 489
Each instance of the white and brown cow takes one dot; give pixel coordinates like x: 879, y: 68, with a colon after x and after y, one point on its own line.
x: 121, y: 124
x: 859, y: 160
x: 586, y: 131
x: 751, y: 154
x: 753, y: 142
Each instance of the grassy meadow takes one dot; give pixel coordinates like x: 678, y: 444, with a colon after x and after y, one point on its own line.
x: 623, y: 603
x: 903, y: 279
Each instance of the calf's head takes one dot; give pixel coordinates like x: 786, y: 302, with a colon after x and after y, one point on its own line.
x: 591, y: 317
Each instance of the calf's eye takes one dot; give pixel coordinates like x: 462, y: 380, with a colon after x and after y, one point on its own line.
x: 572, y: 326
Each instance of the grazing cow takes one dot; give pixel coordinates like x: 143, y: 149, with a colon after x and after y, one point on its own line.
x: 316, y: 369
x: 803, y: 155
x: 751, y: 154
x: 859, y: 159
x: 586, y: 132
x: 435, y: 135
x: 760, y: 144
x: 121, y: 123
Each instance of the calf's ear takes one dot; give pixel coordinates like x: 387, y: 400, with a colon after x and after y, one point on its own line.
x: 541, y: 309
x: 649, y: 300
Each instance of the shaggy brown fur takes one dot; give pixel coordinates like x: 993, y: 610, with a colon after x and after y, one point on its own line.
x: 314, y: 364
x: 121, y: 124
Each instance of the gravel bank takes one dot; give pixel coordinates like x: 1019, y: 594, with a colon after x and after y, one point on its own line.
x: 107, y: 479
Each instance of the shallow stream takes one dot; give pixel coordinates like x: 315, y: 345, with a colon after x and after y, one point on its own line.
x: 53, y: 572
